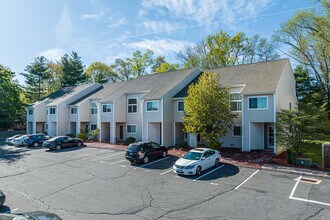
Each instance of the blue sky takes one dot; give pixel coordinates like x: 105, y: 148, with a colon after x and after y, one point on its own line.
x: 103, y: 30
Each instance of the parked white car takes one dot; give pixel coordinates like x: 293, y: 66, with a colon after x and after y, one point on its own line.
x: 19, y: 141
x: 10, y: 139
x: 197, y: 160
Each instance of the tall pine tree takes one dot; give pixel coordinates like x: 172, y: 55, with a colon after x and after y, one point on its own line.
x: 72, y: 70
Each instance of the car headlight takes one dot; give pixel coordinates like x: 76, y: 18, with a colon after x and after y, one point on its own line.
x: 190, y: 166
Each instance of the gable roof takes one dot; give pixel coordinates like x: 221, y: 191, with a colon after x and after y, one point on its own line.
x: 258, y: 78
x: 154, y: 85
x: 67, y: 92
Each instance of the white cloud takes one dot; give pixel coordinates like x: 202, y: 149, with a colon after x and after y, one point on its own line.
x: 52, y: 54
x: 160, y: 47
x: 64, y: 28
x: 94, y: 17
x: 111, y: 59
x: 156, y: 26
x: 228, y: 12
x: 116, y: 22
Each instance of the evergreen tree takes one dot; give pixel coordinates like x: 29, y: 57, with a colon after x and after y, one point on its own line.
x: 72, y: 70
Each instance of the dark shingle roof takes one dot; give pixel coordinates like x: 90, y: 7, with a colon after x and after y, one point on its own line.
x: 87, y: 95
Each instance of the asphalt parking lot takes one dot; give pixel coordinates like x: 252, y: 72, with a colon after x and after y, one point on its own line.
x: 90, y: 183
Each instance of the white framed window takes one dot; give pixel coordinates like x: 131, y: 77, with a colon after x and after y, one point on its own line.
x: 237, y: 131
x: 30, y: 111
x: 258, y: 102
x: 93, y: 127
x: 93, y: 108
x: 180, y: 106
x: 52, y: 111
x: 106, y: 108
x: 235, y: 102
x: 152, y: 106
x: 132, y: 105
x: 131, y: 129
x: 73, y: 111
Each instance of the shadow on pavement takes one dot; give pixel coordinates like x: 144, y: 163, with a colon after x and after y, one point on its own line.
x: 10, y: 155
x: 5, y: 209
x: 66, y: 149
x: 163, y: 164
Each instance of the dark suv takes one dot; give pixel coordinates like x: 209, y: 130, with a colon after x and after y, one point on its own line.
x: 144, y: 151
x: 35, y: 140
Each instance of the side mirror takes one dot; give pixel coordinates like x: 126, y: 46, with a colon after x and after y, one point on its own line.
x: 182, y: 155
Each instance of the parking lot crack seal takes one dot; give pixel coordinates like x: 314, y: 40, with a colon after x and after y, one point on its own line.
x: 315, y: 214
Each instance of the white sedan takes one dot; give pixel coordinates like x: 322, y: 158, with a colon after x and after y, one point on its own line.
x: 197, y: 160
x: 10, y: 139
x: 19, y: 141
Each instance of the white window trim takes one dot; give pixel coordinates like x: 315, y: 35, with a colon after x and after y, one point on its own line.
x: 29, y: 111
x: 251, y: 97
x: 241, y: 101
x: 131, y: 125
x: 94, y: 108
x: 233, y: 131
x: 110, y: 109
x: 152, y: 101
x: 133, y: 105
x: 50, y: 112
x: 177, y: 106
x: 71, y: 110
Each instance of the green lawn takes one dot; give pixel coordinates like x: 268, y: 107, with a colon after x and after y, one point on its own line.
x: 313, y: 151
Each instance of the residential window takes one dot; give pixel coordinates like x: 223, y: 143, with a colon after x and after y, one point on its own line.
x: 93, y: 127
x: 94, y: 108
x: 237, y: 131
x: 73, y: 111
x: 131, y: 129
x: 52, y: 111
x: 152, y: 106
x: 132, y: 105
x: 258, y: 103
x: 180, y: 106
x: 106, y: 108
x: 235, y: 102
x: 30, y: 111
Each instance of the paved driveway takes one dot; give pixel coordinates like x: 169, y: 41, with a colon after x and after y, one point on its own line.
x: 88, y: 183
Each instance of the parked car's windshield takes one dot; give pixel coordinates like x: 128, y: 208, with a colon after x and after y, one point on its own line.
x: 134, y: 147
x: 192, y: 156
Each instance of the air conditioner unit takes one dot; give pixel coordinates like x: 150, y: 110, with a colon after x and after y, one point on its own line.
x: 303, y: 162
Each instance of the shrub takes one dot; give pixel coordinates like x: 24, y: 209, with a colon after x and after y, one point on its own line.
x: 130, y: 140
x: 92, y: 135
x: 70, y: 135
x: 82, y: 136
x: 182, y: 144
x: 215, y: 145
x: 291, y: 156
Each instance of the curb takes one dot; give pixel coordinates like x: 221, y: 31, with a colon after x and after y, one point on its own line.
x: 299, y: 172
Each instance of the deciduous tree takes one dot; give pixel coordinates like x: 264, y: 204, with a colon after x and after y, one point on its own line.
x: 101, y: 73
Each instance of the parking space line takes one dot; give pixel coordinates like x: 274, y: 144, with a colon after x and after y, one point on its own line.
x: 304, y: 200
x: 209, y: 172
x: 247, y: 179
x: 151, y: 163
x: 166, y: 171
x: 117, y: 162
x: 108, y: 156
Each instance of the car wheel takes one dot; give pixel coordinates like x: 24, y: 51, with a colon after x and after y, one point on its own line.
x: 58, y: 147
x: 145, y: 159
x: 35, y: 144
x: 217, y: 162
x: 198, y: 170
x: 79, y: 144
x: 164, y: 154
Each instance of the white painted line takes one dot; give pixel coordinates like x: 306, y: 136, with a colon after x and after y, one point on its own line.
x: 13, y: 210
x: 310, y: 201
x: 117, y: 162
x: 108, y: 156
x: 166, y: 171
x: 209, y: 172
x: 151, y: 163
x: 295, y: 187
x: 247, y: 179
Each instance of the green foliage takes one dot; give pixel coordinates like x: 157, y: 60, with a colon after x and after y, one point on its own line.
x: 167, y: 67
x: 70, y: 135
x: 141, y: 61
x: 183, y: 144
x: 93, y: 135
x: 215, y: 144
x: 123, y: 69
x: 157, y: 62
x: 291, y: 156
x: 10, y: 102
x: 72, y: 70
x: 130, y: 140
x: 207, y: 108
x: 36, y: 77
x: 308, y: 37
x: 100, y: 73
x: 82, y: 136
x: 221, y: 50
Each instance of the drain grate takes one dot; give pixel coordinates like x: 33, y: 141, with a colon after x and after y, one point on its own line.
x: 309, y: 180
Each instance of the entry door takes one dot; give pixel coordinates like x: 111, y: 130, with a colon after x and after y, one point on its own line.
x: 121, y: 132
x: 270, y: 136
